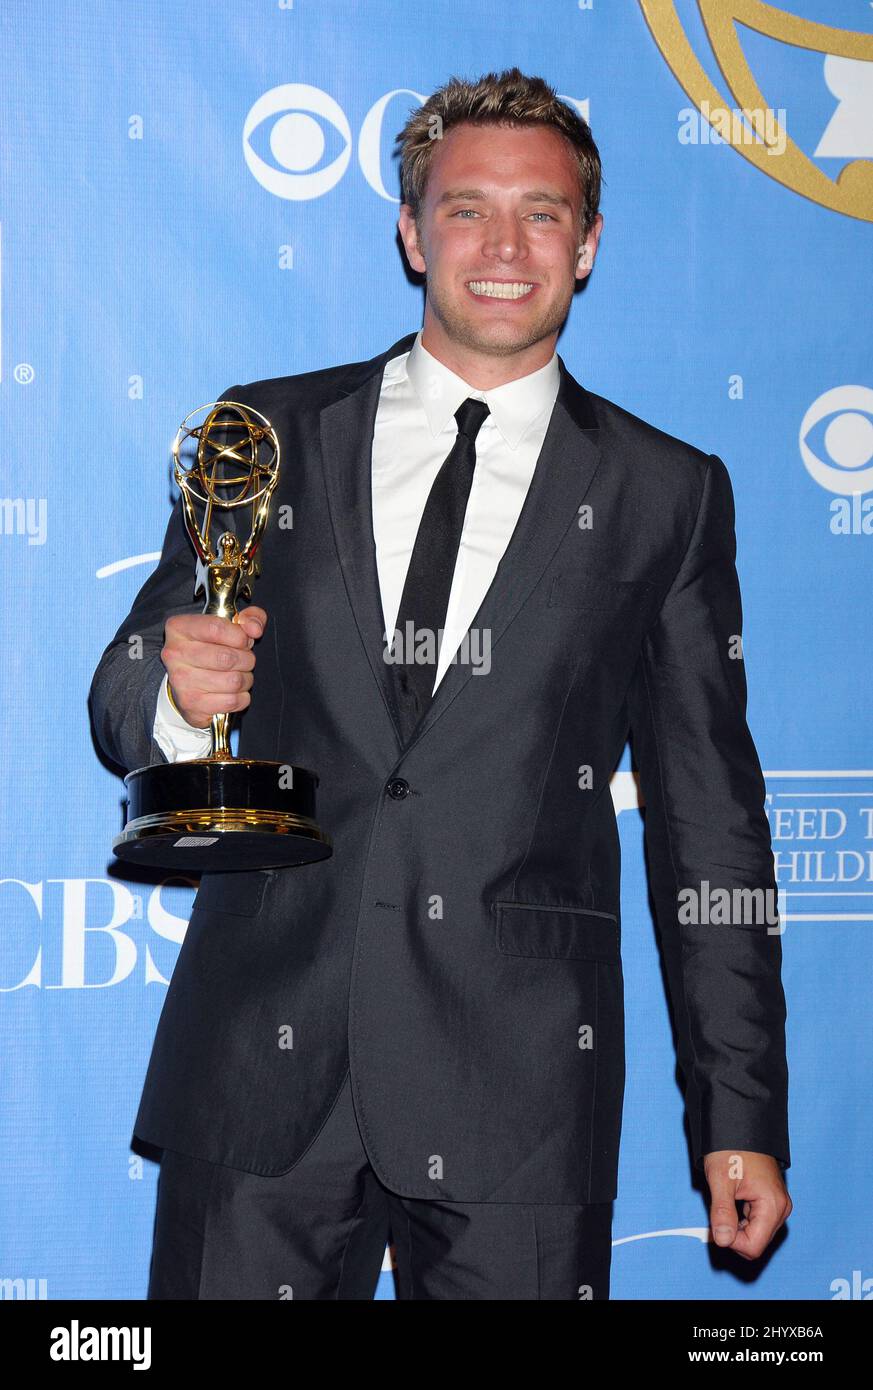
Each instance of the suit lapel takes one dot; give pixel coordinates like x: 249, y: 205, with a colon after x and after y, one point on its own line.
x: 564, y: 471
x: 347, y: 429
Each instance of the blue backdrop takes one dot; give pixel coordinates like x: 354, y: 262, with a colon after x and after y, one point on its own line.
x: 197, y: 195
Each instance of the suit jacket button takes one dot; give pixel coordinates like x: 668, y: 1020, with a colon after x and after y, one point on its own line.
x: 398, y: 788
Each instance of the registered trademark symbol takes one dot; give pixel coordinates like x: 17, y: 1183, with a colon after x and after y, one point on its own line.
x: 24, y: 374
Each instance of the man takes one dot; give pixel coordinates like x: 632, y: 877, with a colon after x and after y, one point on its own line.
x: 451, y: 977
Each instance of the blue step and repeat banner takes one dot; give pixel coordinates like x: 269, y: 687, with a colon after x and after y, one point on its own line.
x: 194, y: 195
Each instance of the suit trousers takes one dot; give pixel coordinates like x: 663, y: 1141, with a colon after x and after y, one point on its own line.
x: 319, y: 1231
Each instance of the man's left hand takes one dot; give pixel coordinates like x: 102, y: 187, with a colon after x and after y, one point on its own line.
x: 740, y: 1175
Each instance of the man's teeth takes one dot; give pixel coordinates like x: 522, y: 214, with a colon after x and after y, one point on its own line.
x: 495, y: 290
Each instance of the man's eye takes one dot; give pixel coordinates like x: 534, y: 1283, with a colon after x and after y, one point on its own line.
x: 461, y: 211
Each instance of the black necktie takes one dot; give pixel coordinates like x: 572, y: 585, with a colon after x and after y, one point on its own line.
x: 428, y: 583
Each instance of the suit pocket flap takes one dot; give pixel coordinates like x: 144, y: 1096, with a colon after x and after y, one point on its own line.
x: 238, y: 894
x: 584, y: 588
x: 557, y: 933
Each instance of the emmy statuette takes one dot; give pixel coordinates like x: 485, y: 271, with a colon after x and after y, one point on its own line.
x: 221, y: 812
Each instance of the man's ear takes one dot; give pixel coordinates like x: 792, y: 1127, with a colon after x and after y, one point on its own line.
x: 588, y: 249
x: 411, y: 238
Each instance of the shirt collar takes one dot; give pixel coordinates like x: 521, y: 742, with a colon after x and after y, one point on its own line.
x: 513, y: 407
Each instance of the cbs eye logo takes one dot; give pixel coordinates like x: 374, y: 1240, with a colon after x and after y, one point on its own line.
x: 282, y: 124
x: 840, y: 425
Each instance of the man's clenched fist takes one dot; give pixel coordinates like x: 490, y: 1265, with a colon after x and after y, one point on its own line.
x: 209, y: 663
x: 755, y: 1179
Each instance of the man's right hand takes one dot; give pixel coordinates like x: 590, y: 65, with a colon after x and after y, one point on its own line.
x: 209, y: 663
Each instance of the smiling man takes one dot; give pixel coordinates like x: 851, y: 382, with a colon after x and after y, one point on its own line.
x: 451, y: 977
x: 497, y: 234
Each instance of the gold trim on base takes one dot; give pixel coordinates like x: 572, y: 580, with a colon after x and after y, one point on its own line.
x: 219, y: 821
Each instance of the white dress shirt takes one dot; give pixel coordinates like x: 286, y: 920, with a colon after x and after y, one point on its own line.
x: 414, y: 434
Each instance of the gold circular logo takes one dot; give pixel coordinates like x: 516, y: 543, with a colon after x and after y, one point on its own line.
x: 752, y: 127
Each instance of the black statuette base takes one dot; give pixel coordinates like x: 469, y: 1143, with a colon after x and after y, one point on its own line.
x: 212, y: 815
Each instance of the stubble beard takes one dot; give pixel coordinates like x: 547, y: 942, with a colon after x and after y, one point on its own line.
x: 501, y: 339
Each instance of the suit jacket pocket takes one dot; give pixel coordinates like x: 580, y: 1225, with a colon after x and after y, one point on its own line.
x: 557, y: 933
x: 234, y: 894
x: 586, y: 588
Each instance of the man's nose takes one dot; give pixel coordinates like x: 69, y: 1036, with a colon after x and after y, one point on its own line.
x: 505, y: 239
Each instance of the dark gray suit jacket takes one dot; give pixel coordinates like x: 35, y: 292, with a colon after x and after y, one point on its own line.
x: 460, y: 951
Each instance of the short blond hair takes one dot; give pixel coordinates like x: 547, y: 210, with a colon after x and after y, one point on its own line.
x: 506, y: 98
